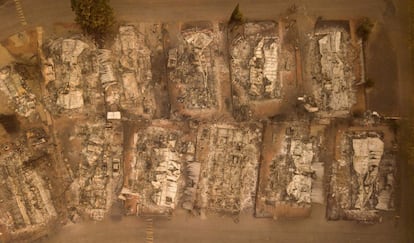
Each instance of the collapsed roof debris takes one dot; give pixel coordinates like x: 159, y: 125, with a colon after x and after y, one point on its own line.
x: 62, y: 70
x: 71, y: 100
x: 363, y: 180
x: 285, y: 180
x: 196, y: 67
x: 255, y: 61
x: 12, y: 85
x: 229, y: 157
x: 333, y: 71
x: 260, y: 63
x: 99, y: 169
x: 193, y: 176
x: 156, y: 166
x: 134, y: 63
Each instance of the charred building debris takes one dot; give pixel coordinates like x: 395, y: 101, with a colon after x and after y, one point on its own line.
x: 133, y: 60
x: 285, y: 179
x: 16, y: 90
x: 157, y: 162
x: 99, y: 170
x: 332, y: 72
x: 363, y: 177
x: 254, y: 61
x: 196, y: 68
x: 229, y: 157
x: 260, y: 63
x: 64, y: 73
x: 26, y: 204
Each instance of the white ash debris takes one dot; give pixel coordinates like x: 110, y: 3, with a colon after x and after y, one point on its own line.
x: 165, y: 182
x: 156, y: 171
x: 106, y: 70
x: 71, y: 100
x: 108, y: 79
x: 198, y: 40
x: 193, y: 175
x: 291, y: 172
x: 367, y: 156
x: 13, y: 86
x: 263, y: 70
x: 71, y: 49
x: 63, y: 67
x: 255, y: 61
x: 300, y: 188
x: 333, y: 76
x: 363, y: 181
x: 302, y: 155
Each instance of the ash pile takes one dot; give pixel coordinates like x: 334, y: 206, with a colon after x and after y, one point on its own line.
x: 363, y: 179
x: 332, y: 71
x: 229, y: 156
x: 196, y: 67
x: 285, y: 183
x: 18, y: 93
x: 154, y: 181
x: 258, y: 63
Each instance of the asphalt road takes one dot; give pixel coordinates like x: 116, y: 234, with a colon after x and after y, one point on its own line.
x: 46, y: 12
x: 185, y: 229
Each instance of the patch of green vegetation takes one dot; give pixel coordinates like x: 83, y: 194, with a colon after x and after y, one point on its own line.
x: 236, y: 16
x: 364, y: 29
x: 95, y: 17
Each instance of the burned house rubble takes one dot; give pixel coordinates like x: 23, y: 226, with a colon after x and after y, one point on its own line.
x: 229, y: 157
x: 133, y: 62
x: 197, y: 71
x: 363, y: 177
x: 14, y: 87
x: 109, y: 83
x: 155, y: 166
x: 286, y: 172
x: 99, y: 169
x: 260, y: 64
x: 333, y: 71
x: 64, y: 71
x: 26, y: 204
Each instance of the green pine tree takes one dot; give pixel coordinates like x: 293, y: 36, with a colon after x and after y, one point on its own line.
x: 236, y: 15
x: 95, y: 17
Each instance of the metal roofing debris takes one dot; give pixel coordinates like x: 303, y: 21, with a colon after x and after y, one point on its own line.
x: 300, y: 188
x: 11, y: 84
x: 71, y: 100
